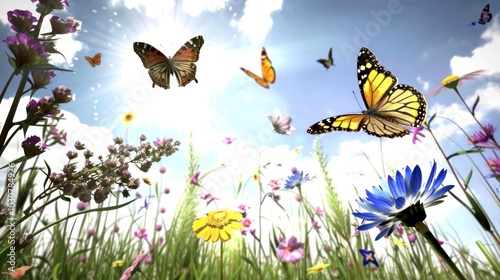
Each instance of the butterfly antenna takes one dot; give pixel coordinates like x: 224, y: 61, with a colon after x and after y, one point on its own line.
x: 357, y: 101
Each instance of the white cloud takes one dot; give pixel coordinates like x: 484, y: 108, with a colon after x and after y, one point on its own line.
x: 150, y: 8
x: 256, y: 20
x: 483, y: 57
x: 195, y: 7
x: 425, y: 84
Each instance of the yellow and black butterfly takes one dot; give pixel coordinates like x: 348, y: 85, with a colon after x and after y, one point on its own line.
x: 181, y: 64
x: 389, y: 106
x: 96, y: 60
x: 327, y: 62
x: 268, y: 73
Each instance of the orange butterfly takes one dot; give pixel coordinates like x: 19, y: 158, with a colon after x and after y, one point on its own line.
x: 96, y: 60
x: 181, y: 64
x: 268, y: 72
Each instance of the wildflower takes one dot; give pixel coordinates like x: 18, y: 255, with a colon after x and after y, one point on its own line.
x: 217, y: 225
x: 452, y: 82
x: 162, y: 210
x: 349, y: 263
x: 81, y: 206
x: 317, y: 268
x: 62, y: 94
x: 411, y: 238
x: 57, y: 136
x: 83, y: 258
x: 49, y: 5
x: 141, y: 233
x: 494, y: 166
x: 116, y: 229
x: 163, y: 169
x: 90, y: 232
x: 242, y: 208
x: 416, y: 133
x: 274, y: 184
x: 22, y: 21
x: 327, y: 248
x: 166, y: 190
x: 158, y: 227
x: 296, y: 179
x: 61, y: 26
x: 291, y: 251
x: 145, y: 206
x: 228, y: 140
x: 281, y: 124
x: 320, y: 212
x: 128, y: 118
x: 17, y: 272
x: 26, y: 50
x: 117, y: 263
x: 335, y: 273
x: 33, y: 146
x: 402, y: 200
x: 439, y: 241
x: 146, y: 180
x: 356, y: 233
x: 400, y: 242
x: 133, y: 268
x: 485, y: 138
x: 256, y: 176
x: 368, y: 257
x: 400, y: 230
x: 194, y: 180
x: 149, y: 259
x: 316, y: 225
x: 207, y: 197
x: 298, y: 197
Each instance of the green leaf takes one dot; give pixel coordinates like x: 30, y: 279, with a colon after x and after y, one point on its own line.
x: 430, y: 120
x: 475, y: 105
x: 472, y: 151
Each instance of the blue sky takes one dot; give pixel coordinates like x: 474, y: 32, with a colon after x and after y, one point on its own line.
x: 421, y: 43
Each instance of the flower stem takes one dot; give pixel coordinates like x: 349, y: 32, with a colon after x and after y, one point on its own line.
x: 10, y: 117
x: 6, y: 86
x: 221, y: 261
x: 424, y: 230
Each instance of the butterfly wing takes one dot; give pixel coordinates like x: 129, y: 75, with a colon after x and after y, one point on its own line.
x: 97, y: 59
x: 485, y: 15
x: 258, y: 79
x: 330, y: 57
x: 90, y: 60
x: 156, y: 62
x: 324, y: 62
x: 182, y: 63
x: 268, y: 72
x: 351, y: 122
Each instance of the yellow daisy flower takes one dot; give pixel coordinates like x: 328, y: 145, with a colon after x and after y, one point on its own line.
x: 117, y: 263
x: 317, y: 268
x: 453, y: 81
x: 256, y: 177
x: 128, y: 118
x: 218, y: 224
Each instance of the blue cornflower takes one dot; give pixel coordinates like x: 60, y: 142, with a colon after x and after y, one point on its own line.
x: 401, y: 201
x: 296, y: 179
x: 368, y: 257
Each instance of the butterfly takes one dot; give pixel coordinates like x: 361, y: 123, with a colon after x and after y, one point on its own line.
x: 327, y: 62
x: 181, y: 64
x: 96, y: 60
x: 268, y: 72
x: 485, y: 16
x: 390, y: 107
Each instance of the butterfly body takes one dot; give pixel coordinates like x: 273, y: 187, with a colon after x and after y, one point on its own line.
x: 96, y: 60
x: 160, y: 67
x: 327, y: 62
x: 268, y: 72
x: 390, y: 106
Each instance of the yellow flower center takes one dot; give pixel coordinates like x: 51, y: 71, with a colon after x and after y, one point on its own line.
x: 451, y: 81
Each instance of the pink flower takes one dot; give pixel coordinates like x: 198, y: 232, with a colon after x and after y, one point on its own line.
x: 316, y: 225
x: 281, y: 124
x: 416, y: 133
x: 80, y: 206
x: 163, y: 169
x: 485, y: 138
x: 291, y: 251
x: 194, y: 180
x: 133, y: 268
x: 162, y: 210
x: 116, y: 228
x: 166, y: 190
x: 141, y: 233
x: 246, y: 222
x: 158, y: 227
x: 411, y: 238
x: 400, y: 230
x: 228, y: 140
x: 90, y: 232
x: 320, y: 212
x: 274, y: 184
x: 453, y: 81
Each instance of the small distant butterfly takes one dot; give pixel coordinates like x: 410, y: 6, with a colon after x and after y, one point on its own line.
x: 485, y: 16
x: 96, y: 60
x: 389, y: 106
x: 181, y: 64
x: 146, y: 205
x: 268, y: 72
x: 327, y: 62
